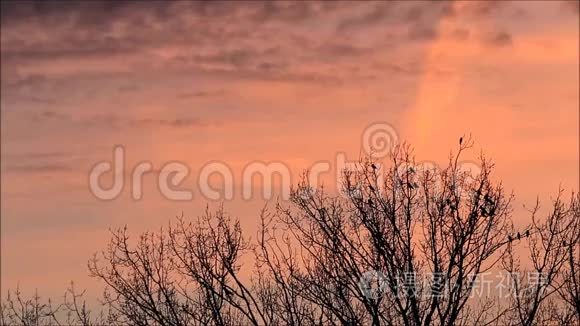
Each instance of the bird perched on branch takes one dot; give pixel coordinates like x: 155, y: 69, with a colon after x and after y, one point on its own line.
x: 412, y: 185
x: 519, y: 236
x: 510, y: 238
x: 484, y: 212
x: 460, y: 140
x: 488, y: 199
x: 527, y: 233
x: 373, y: 166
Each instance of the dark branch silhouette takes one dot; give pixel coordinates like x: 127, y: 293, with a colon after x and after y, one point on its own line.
x: 401, y: 246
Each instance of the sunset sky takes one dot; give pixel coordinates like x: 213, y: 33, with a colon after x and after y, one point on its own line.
x: 238, y: 82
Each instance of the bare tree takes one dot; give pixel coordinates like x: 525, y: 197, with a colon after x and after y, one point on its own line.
x: 448, y: 224
x: 553, y: 251
x: 402, y: 244
x: 568, y: 284
x: 18, y: 310
x: 186, y: 275
x: 137, y: 284
x: 207, y: 254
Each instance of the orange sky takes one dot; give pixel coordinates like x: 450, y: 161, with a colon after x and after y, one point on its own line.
x: 238, y: 83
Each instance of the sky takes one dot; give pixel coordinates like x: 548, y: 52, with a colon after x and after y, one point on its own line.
x: 236, y: 83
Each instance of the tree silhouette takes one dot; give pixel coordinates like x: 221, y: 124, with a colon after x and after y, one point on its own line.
x: 553, y: 251
x: 448, y: 224
x: 17, y: 310
x: 399, y: 246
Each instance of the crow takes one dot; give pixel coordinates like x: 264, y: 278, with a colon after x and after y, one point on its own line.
x: 527, y: 233
x: 460, y: 140
x: 509, y: 238
x: 488, y: 199
x: 519, y: 236
x: 484, y: 212
x: 374, y: 166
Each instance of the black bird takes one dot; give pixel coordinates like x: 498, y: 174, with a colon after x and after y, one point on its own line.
x: 484, y: 212
x: 488, y: 199
x: 519, y: 236
x: 373, y: 166
x: 411, y: 170
x: 527, y: 233
x: 510, y: 238
x: 412, y: 185
x: 564, y: 243
x: 460, y: 140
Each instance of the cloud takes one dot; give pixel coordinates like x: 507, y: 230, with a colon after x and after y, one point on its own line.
x: 460, y: 34
x: 500, y: 39
x: 292, y: 42
x: 341, y: 49
x: 35, y: 155
x: 394, y: 14
x: 238, y: 58
x: 128, y: 88
x: 176, y: 123
x: 572, y: 5
x: 200, y: 94
x: 39, y: 168
x: 81, y: 14
x: 200, y: 32
x: 372, y: 16
x: 41, y: 100
x: 113, y: 121
x: 408, y: 69
x: 421, y: 33
x: 48, y: 115
x: 483, y: 9
x: 26, y: 81
x: 116, y: 122
x: 292, y: 12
